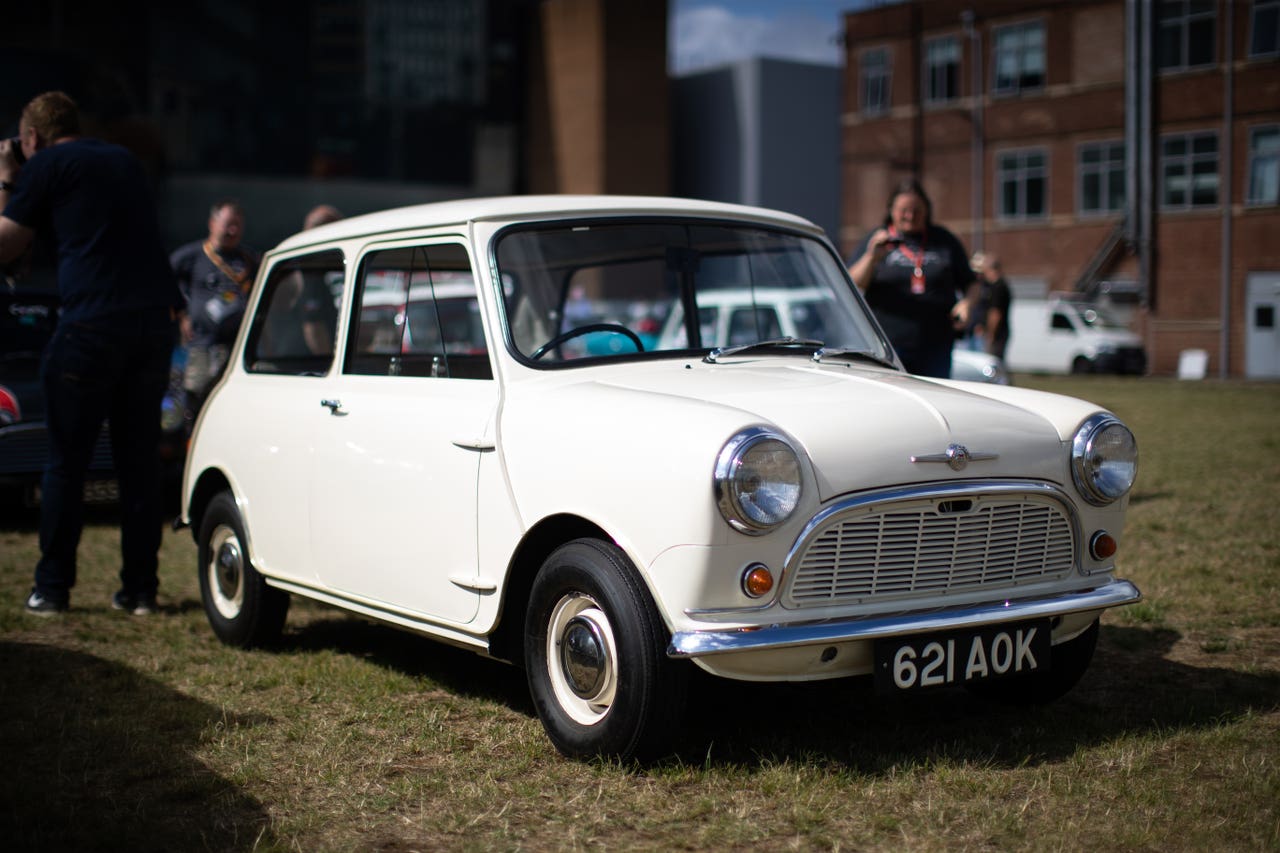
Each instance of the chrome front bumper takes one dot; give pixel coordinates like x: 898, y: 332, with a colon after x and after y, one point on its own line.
x: 692, y: 644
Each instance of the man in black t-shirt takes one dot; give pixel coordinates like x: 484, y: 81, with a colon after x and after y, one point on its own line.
x: 108, y: 358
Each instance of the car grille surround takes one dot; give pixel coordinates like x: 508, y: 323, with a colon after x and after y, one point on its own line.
x: 931, y: 543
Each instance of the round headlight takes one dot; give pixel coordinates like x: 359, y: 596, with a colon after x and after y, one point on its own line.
x: 757, y: 481
x: 1104, y: 459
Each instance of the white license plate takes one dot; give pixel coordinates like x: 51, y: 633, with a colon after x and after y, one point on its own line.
x: 962, y: 657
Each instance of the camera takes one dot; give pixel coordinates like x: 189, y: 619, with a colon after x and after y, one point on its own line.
x: 16, y: 144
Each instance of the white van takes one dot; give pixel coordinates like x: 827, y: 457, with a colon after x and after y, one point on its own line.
x: 1060, y: 335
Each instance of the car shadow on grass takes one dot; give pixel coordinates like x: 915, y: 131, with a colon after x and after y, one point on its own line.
x: 100, y: 757
x: 457, y: 670
x: 1131, y: 688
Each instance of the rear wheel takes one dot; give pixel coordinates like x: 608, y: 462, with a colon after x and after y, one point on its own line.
x: 595, y: 655
x: 242, y: 609
x: 1068, y: 663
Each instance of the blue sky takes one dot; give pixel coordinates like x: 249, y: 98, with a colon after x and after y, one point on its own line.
x: 706, y: 33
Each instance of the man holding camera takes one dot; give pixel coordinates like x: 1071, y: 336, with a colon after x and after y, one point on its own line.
x: 108, y: 358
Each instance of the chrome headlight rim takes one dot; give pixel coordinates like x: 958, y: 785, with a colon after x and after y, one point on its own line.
x: 729, y: 489
x: 1088, y: 470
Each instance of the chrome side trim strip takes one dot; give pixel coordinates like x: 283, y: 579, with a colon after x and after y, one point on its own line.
x: 403, y: 619
x: 686, y: 644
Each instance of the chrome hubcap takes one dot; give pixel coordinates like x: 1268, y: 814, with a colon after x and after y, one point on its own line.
x: 226, y: 572
x: 582, y: 659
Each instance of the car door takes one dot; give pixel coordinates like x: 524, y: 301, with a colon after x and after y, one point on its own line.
x: 393, y: 499
x: 268, y: 412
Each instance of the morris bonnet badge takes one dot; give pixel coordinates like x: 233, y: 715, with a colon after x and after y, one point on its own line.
x: 957, y: 457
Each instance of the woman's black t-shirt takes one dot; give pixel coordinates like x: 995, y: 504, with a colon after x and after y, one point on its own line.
x: 918, y: 316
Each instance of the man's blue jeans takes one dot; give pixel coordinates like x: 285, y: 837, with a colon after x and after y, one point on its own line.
x: 116, y: 369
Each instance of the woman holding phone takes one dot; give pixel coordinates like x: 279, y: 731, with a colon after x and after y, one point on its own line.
x: 916, y: 278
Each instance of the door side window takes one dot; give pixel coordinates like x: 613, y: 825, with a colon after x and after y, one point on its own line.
x: 417, y: 314
x: 1060, y: 321
x: 293, y: 330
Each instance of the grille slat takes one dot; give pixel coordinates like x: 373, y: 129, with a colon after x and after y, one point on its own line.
x: 911, y: 548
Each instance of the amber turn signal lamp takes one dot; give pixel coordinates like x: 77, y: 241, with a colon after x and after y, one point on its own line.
x: 757, y: 581
x: 1103, y: 545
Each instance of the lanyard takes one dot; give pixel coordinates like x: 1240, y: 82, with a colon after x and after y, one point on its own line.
x: 917, y: 274
x: 240, y: 278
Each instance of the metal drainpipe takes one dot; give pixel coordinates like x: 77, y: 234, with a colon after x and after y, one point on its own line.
x: 1133, y: 223
x: 1145, y: 203
x: 976, y: 151
x: 1225, y: 183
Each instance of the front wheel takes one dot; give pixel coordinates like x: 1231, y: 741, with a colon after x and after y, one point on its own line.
x: 1067, y: 665
x: 595, y: 655
x: 242, y: 609
x: 1081, y: 365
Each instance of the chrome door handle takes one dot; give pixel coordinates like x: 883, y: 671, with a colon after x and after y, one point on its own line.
x: 334, y: 406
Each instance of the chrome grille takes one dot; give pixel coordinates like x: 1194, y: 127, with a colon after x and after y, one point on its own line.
x: 932, y: 546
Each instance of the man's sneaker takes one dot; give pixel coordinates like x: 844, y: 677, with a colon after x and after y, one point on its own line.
x: 38, y: 605
x: 138, y: 605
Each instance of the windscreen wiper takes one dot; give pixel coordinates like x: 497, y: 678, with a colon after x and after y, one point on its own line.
x: 847, y: 352
x: 721, y: 352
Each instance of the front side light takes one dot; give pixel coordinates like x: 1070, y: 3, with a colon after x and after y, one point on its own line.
x: 757, y: 481
x: 1104, y: 459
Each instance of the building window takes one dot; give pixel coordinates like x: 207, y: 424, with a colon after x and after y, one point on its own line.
x: 1187, y: 29
x: 1022, y: 181
x: 1264, y: 165
x: 1019, y: 58
x: 875, y: 81
x: 1102, y: 177
x: 1188, y: 171
x: 942, y: 70
x: 1264, y: 36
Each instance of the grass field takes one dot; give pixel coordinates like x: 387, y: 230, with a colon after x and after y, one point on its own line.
x: 119, y: 732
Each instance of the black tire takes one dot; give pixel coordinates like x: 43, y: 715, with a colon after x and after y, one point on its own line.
x: 1081, y: 365
x: 1068, y: 663
x: 243, y: 611
x: 616, y: 694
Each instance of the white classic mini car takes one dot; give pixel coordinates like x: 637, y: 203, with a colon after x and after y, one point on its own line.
x: 476, y: 420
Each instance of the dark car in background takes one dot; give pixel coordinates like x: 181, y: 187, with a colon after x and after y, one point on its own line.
x: 28, y: 315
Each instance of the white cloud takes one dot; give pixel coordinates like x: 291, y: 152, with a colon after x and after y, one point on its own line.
x: 713, y: 35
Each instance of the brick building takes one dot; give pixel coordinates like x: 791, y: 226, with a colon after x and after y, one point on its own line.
x: 1105, y: 146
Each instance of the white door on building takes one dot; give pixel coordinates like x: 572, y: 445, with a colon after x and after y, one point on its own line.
x: 1262, y: 340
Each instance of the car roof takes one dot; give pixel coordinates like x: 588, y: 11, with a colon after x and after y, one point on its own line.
x: 525, y: 207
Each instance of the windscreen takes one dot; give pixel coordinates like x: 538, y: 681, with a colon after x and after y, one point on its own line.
x: 601, y: 289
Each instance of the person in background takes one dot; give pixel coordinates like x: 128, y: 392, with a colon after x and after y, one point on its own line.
x: 913, y: 273
x: 214, y: 275
x: 321, y: 214
x: 303, y: 316
x: 995, y: 300
x: 108, y: 357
